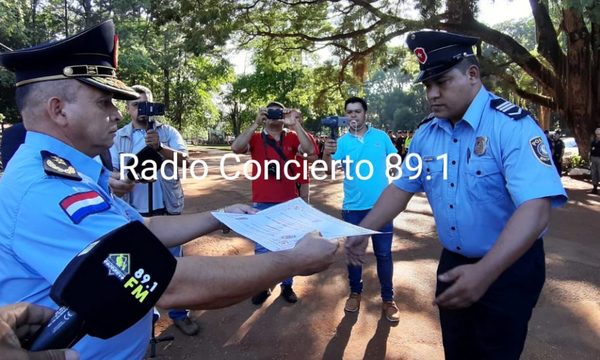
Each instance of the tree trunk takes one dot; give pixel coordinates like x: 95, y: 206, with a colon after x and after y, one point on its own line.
x: 577, y: 80
x: 167, y: 78
x: 66, y: 11
x: 87, y: 13
x: 570, y: 82
x: 236, y: 122
x: 544, y: 118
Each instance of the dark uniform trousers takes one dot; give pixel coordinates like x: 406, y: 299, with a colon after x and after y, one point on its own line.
x: 495, y: 327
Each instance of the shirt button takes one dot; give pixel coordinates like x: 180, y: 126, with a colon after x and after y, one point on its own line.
x: 453, y: 228
x: 452, y: 184
x: 451, y: 206
x: 478, y: 172
x: 453, y: 162
x: 458, y: 248
x: 455, y: 140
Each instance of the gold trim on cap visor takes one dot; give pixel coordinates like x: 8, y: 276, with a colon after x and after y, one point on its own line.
x: 89, y: 70
x: 40, y: 79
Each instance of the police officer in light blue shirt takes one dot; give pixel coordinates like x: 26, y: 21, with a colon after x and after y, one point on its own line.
x: 56, y: 198
x: 485, y: 168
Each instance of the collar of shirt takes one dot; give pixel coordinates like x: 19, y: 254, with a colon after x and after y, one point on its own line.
x: 128, y: 129
x: 360, y: 138
x: 473, y: 114
x: 283, y: 131
x: 80, y: 161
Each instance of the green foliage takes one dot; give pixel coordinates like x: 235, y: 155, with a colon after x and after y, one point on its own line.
x: 577, y: 161
x: 179, y: 49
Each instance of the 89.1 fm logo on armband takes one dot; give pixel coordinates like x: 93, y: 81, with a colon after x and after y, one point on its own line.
x: 540, y: 150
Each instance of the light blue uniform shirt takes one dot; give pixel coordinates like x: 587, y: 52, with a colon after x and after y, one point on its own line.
x: 131, y: 140
x: 373, y: 147
x: 38, y: 237
x: 494, y: 164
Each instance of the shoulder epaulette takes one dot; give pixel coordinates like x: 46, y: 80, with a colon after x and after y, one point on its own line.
x: 427, y: 119
x: 56, y: 166
x: 508, y: 108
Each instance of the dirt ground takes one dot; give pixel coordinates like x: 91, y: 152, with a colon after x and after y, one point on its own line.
x: 565, y: 324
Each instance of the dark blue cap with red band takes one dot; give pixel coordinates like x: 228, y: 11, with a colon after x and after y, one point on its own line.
x: 439, y: 51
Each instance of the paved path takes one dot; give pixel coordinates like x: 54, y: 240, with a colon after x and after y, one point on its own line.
x: 565, y: 324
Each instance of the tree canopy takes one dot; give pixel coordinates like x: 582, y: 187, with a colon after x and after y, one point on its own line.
x: 311, y: 54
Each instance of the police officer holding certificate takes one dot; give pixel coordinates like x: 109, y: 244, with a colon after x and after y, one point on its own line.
x: 56, y: 199
x: 487, y: 173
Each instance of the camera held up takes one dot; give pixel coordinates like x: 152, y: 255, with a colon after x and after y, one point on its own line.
x: 334, y: 122
x: 275, y: 114
x: 147, y: 108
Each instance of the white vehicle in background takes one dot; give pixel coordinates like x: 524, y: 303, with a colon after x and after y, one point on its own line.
x: 571, y: 150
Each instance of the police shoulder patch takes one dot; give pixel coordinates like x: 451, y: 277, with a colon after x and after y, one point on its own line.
x: 57, y: 166
x: 427, y: 119
x: 540, y: 151
x: 508, y: 108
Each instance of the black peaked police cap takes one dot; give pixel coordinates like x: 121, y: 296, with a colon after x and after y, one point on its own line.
x: 90, y: 57
x: 438, y: 51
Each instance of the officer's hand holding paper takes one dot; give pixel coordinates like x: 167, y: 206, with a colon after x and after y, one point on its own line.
x: 280, y: 227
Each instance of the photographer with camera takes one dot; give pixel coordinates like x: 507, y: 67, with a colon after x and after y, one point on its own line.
x: 167, y: 194
x: 272, y: 186
x: 363, y: 142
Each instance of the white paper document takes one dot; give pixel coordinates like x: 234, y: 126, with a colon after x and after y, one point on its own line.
x: 281, y: 226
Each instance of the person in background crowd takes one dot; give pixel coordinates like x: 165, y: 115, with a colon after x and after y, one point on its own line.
x: 407, y: 141
x: 365, y: 143
x: 400, y: 138
x: 595, y: 161
x: 167, y: 193
x: 558, y: 150
x: 12, y: 138
x: 275, y: 145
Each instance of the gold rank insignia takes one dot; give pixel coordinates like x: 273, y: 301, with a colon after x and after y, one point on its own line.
x: 56, y: 166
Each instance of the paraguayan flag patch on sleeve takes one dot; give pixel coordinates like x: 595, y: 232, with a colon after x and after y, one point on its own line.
x: 80, y: 205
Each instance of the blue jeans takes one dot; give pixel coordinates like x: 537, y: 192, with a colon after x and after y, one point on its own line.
x: 259, y: 249
x: 382, y: 247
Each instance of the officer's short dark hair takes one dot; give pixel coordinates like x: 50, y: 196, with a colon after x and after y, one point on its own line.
x: 356, y: 99
x: 31, y: 94
x: 22, y: 94
x: 467, y: 62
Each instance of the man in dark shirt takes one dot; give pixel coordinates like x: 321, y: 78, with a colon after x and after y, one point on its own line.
x: 558, y: 150
x: 12, y: 138
x: 595, y: 160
